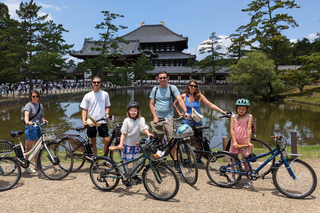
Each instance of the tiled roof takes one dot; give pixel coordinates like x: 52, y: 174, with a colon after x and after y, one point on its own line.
x: 187, y: 70
x: 132, y: 48
x: 154, y: 34
x: 173, y: 55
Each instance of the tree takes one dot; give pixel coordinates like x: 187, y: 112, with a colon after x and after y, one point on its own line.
x: 239, y: 42
x: 255, y: 74
x: 296, y: 78
x: 266, y: 26
x: 120, y: 75
x: 42, y: 42
x: 107, y: 45
x: 211, y: 46
x: 10, y: 56
x: 312, y: 64
x: 140, y: 68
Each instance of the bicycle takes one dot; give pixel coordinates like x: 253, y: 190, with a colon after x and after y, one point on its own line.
x: 54, y: 160
x: 10, y: 170
x: 159, y: 180
x: 259, y: 148
x: 185, y: 155
x: 292, y: 177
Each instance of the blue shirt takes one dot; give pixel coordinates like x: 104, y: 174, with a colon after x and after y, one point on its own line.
x: 196, y: 105
x: 164, y: 101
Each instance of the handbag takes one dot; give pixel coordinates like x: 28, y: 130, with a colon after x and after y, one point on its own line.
x: 195, y: 115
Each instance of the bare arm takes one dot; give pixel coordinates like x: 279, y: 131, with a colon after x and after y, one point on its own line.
x: 107, y: 111
x: 153, y: 111
x: 176, y: 104
x: 183, y: 105
x: 211, y: 105
x: 122, y: 137
x: 233, y: 135
x: 146, y: 131
x: 84, y: 116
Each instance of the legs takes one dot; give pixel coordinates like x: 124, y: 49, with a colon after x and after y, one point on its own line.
x: 29, y: 145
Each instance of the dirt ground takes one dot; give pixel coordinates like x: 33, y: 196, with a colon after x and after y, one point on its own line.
x: 76, y: 193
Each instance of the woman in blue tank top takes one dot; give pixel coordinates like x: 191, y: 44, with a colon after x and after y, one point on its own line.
x: 193, y: 95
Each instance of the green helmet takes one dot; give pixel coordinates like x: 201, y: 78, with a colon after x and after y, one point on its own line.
x: 242, y: 102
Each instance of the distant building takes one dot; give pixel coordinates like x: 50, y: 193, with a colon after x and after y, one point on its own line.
x: 164, y: 48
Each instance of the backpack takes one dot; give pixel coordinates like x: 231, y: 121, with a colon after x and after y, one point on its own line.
x: 155, y: 93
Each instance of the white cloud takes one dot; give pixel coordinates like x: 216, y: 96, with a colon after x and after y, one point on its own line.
x: 293, y: 40
x: 48, y: 6
x: 13, y: 5
x: 224, y: 42
x: 311, y: 36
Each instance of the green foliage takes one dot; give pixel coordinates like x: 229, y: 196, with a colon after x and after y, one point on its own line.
x: 107, y: 45
x: 118, y: 76
x: 312, y: 64
x: 256, y: 73
x: 266, y: 27
x: 140, y: 68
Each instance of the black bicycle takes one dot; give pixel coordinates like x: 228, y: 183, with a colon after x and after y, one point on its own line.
x: 160, y: 181
x: 185, y: 155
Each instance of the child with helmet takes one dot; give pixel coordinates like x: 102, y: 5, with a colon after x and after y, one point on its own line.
x: 131, y: 128
x: 241, y: 131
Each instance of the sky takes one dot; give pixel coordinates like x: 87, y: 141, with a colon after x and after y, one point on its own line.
x: 195, y: 19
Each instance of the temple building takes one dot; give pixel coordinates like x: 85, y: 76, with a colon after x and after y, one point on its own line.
x: 164, y: 48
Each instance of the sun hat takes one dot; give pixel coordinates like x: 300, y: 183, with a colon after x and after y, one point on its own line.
x: 91, y: 122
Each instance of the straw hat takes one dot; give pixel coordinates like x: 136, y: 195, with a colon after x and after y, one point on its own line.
x: 91, y: 122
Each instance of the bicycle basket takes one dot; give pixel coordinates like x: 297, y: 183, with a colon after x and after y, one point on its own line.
x: 5, y: 146
x: 74, y: 142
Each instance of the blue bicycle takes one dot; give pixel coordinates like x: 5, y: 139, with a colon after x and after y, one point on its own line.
x: 292, y: 177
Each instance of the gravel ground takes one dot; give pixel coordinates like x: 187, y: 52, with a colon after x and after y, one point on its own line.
x: 76, y: 193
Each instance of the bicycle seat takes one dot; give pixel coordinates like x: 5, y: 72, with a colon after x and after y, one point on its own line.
x: 16, y: 133
x: 243, y: 146
x: 79, y: 128
x: 201, y: 127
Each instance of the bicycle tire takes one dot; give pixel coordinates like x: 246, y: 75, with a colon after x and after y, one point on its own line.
x: 216, y: 169
x: 62, y: 163
x: 188, y: 163
x: 304, y: 184
x: 167, y: 188
x: 78, y: 155
x: 260, y: 148
x: 10, y: 173
x: 98, y: 173
x: 116, y: 157
x: 5, y: 147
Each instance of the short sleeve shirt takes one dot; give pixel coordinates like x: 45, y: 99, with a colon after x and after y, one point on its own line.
x: 164, y: 101
x: 96, y: 103
x: 132, y: 129
x: 33, y: 109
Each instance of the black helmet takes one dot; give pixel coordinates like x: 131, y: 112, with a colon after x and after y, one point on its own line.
x: 133, y: 104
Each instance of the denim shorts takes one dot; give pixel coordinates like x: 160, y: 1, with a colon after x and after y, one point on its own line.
x: 32, y: 133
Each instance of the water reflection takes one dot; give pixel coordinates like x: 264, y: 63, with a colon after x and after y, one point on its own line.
x: 275, y: 117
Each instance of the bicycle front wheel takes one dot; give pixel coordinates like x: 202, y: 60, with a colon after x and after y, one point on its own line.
x: 100, y: 176
x: 219, y: 170
x: 161, y: 182
x: 55, y: 161
x: 301, y: 186
x: 78, y: 156
x: 188, y: 163
x: 10, y: 173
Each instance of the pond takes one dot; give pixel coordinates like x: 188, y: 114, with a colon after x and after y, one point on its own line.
x: 64, y: 114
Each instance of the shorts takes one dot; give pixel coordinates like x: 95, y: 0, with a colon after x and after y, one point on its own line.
x: 32, y: 133
x: 103, y: 131
x: 130, y: 152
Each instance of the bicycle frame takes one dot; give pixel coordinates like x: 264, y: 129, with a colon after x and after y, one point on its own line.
x: 276, y: 151
x: 145, y: 156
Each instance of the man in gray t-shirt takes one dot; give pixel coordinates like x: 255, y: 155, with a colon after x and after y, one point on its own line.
x: 161, y: 106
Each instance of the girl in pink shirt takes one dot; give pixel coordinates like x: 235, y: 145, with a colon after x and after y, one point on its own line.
x: 240, y: 128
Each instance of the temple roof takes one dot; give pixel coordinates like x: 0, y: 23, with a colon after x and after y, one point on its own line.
x: 173, y: 55
x: 187, y: 70
x: 132, y: 48
x: 154, y: 34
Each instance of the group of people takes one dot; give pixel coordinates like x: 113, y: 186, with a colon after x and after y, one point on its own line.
x: 164, y: 98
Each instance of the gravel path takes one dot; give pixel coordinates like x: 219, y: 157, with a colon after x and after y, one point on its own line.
x: 76, y: 193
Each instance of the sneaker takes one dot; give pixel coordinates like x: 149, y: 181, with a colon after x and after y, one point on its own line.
x: 43, y: 167
x: 199, y: 161
x: 30, y: 170
x: 177, y: 166
x: 248, y: 184
x: 137, y: 179
x: 230, y: 180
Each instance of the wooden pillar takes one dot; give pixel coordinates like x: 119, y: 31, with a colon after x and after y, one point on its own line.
x: 225, y: 140
x: 294, y: 143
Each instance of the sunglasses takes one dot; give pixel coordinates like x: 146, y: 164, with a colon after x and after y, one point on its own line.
x: 163, y: 78
x: 194, y: 86
x: 96, y: 82
x: 35, y: 96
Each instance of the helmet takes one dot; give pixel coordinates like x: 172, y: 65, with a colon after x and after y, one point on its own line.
x: 132, y: 104
x: 184, y: 131
x: 243, y: 102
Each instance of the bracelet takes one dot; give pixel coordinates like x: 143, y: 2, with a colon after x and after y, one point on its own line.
x: 221, y: 111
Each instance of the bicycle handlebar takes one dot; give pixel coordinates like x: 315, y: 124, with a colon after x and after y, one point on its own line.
x: 227, y: 115
x: 182, y: 117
